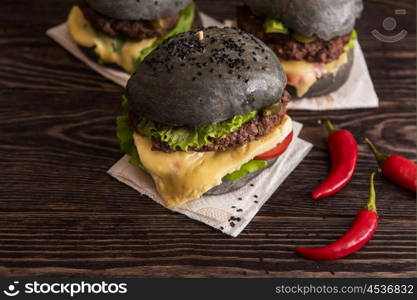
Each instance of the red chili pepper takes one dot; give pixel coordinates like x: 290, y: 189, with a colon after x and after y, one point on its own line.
x: 361, y: 231
x: 396, y: 168
x: 344, y: 153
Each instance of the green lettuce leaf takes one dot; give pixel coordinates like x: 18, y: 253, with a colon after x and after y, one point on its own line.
x: 125, y: 135
x: 185, y: 137
x: 249, y: 167
x: 272, y: 25
x: 185, y: 22
x: 351, y: 43
x: 182, y: 138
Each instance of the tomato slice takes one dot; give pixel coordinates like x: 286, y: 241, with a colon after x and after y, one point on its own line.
x: 277, y: 150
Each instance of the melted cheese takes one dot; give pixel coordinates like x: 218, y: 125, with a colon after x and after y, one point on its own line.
x: 110, y: 50
x: 183, y: 176
x: 302, y: 75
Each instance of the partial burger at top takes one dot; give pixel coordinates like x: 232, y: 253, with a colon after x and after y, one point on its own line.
x: 124, y: 32
x: 313, y: 39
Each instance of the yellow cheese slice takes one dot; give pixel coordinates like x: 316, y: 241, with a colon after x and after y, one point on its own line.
x: 302, y: 74
x: 123, y: 53
x: 183, y: 176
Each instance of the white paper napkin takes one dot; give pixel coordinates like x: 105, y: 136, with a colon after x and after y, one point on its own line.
x: 229, y: 212
x: 357, y: 92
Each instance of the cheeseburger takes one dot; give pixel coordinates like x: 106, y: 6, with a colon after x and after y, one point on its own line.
x: 205, y: 113
x: 314, y: 40
x: 124, y: 32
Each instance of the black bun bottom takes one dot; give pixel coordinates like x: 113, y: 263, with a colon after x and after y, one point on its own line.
x: 230, y: 186
x: 328, y: 83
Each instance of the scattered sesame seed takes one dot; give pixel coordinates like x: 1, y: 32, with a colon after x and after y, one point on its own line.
x: 200, y: 35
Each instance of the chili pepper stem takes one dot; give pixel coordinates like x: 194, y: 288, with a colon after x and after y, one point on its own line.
x: 329, y: 126
x: 371, y: 205
x: 380, y: 157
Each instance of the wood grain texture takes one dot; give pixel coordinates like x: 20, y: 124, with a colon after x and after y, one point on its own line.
x: 61, y: 214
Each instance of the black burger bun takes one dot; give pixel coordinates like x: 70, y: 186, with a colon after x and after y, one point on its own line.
x: 230, y: 186
x: 206, y: 76
x: 138, y: 10
x: 323, y: 18
x: 329, y: 82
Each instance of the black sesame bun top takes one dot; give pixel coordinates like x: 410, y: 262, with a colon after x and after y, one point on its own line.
x: 138, y: 9
x: 324, y: 18
x: 206, y: 76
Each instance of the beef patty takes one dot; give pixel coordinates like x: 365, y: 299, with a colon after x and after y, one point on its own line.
x: 124, y: 29
x: 254, y: 129
x: 285, y: 46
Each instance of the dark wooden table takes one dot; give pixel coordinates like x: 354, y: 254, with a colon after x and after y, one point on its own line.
x: 61, y: 214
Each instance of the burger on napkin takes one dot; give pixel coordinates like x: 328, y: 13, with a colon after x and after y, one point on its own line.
x: 124, y: 32
x: 205, y: 113
x: 314, y: 40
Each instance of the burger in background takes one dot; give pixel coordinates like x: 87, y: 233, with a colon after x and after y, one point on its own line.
x: 214, y: 119
x: 314, y: 40
x: 124, y: 32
